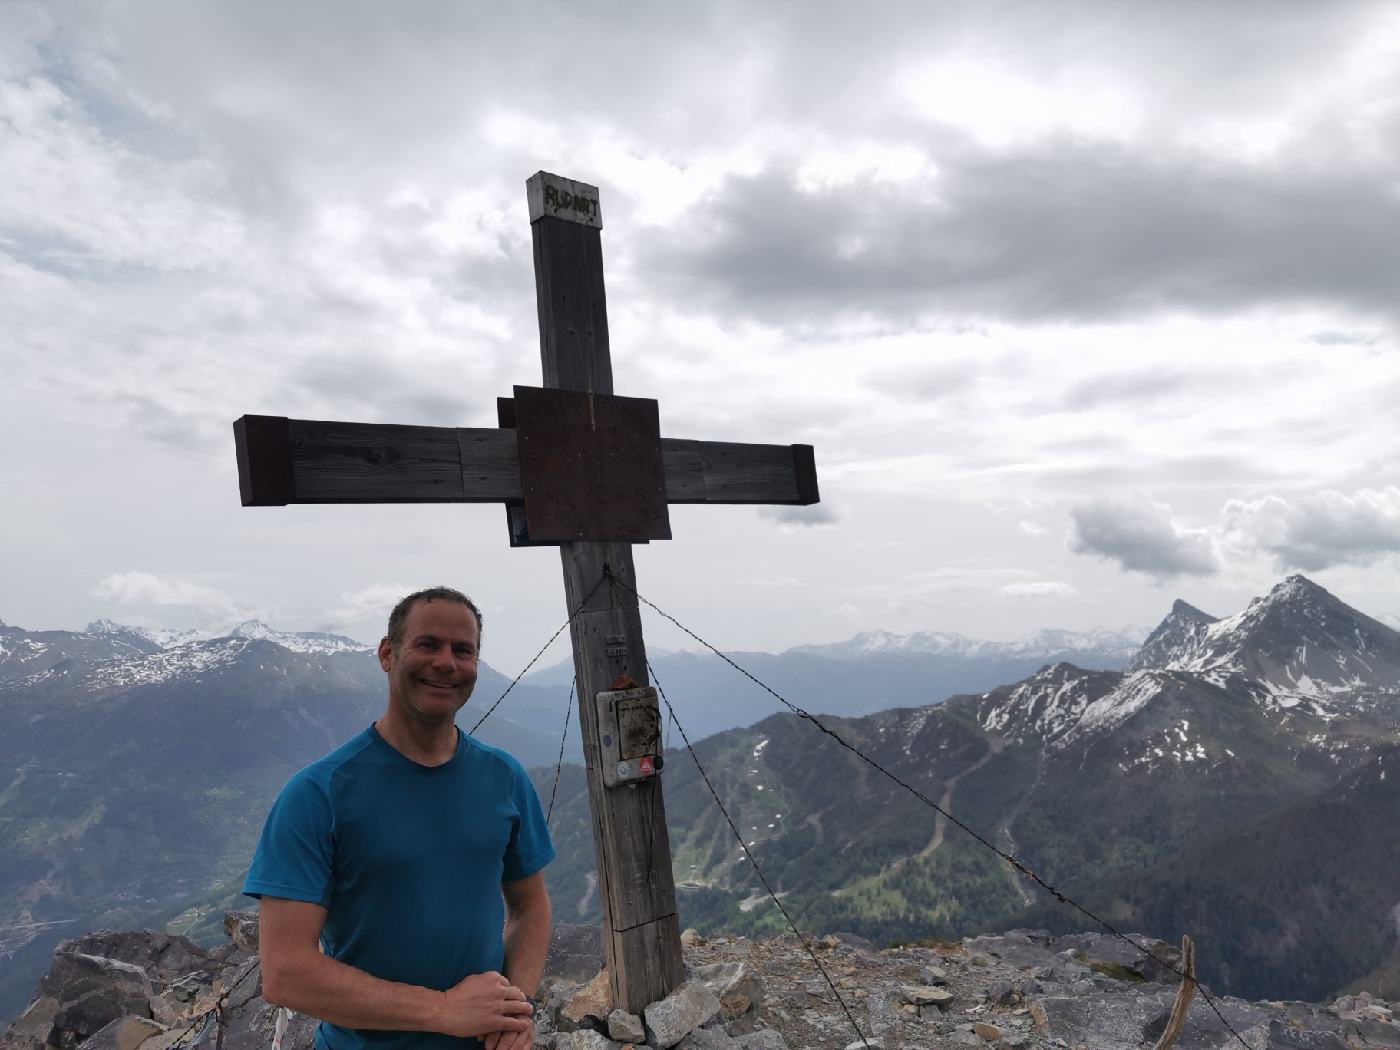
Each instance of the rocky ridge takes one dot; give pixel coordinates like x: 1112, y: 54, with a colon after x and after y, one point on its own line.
x: 1023, y: 989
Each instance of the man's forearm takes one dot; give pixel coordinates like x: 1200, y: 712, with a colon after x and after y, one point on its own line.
x: 527, y: 942
x: 321, y: 987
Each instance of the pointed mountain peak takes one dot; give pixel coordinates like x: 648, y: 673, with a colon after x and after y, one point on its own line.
x: 1297, y: 588
x: 1174, y: 639
x: 107, y: 627
x: 1186, y: 611
x: 252, y: 629
x: 1299, y: 640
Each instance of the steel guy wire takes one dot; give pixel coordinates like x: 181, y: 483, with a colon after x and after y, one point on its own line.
x: 559, y: 766
x: 1008, y: 858
x: 214, y: 1014
x: 757, y: 870
x: 572, y: 616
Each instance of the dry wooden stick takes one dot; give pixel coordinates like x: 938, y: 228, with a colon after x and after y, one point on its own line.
x: 1183, y: 996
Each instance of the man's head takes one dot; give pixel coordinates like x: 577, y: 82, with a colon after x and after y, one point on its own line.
x: 399, y: 616
x: 430, y: 656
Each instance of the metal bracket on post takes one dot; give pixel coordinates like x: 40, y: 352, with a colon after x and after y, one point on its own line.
x: 629, y: 730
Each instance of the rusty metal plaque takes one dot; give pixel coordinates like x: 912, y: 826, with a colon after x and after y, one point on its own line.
x: 590, y: 466
x: 638, y: 728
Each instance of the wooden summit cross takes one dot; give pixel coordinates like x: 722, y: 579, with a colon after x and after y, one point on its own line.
x: 576, y: 467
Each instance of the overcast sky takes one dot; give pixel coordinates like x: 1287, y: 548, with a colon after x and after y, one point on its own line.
x: 1085, y: 307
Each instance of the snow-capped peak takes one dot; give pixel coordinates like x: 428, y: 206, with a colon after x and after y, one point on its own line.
x: 1174, y: 638
x: 1047, y: 643
x: 1297, y: 640
x: 248, y: 630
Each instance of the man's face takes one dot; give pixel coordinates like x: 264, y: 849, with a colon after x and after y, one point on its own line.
x: 433, y: 670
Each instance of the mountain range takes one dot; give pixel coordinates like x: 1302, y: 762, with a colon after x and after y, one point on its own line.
x: 1237, y: 781
x: 1224, y: 777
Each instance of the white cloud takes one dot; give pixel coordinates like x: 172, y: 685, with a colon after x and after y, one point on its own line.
x: 369, y: 603
x: 1319, y: 530
x: 144, y: 588
x: 1039, y: 589
x: 1142, y: 537
x: 1032, y: 529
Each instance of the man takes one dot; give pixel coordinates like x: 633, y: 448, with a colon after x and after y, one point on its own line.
x: 413, y: 856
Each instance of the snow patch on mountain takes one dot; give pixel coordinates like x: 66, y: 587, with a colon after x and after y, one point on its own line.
x: 1298, y: 642
x: 314, y: 642
x: 1050, y: 705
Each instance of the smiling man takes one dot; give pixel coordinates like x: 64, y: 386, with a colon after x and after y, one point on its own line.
x: 401, y: 876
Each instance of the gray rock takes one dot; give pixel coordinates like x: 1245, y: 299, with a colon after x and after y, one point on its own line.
x: 241, y: 928
x: 125, y: 1033
x: 1286, y: 1037
x: 584, y: 1039
x: 680, y: 1013
x: 163, y: 956
x: 707, y: 1039
x: 74, y: 974
x: 763, y: 1039
x: 736, y: 985
x: 1003, y: 993
x: 625, y: 1027
x: 32, y: 1027
x: 84, y: 1017
x: 925, y: 995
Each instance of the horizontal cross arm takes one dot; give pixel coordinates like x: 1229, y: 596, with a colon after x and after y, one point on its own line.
x: 282, y: 461
x: 733, y: 472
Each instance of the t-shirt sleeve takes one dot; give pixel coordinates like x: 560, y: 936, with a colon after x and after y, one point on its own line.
x: 530, y: 846
x: 295, y: 851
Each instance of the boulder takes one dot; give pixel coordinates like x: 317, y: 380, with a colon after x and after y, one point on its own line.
x: 75, y: 974
x: 85, y: 1016
x: 163, y: 956
x: 990, y: 1032
x: 125, y: 1033
x: 926, y: 995
x: 32, y: 1027
x: 593, y: 1000
x: 241, y: 928
x: 680, y: 1013
x: 625, y: 1027
x: 736, y: 985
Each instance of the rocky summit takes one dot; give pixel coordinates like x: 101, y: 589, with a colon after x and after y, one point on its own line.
x: 1023, y: 989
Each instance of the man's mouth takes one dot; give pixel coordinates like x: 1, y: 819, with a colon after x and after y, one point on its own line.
x: 436, y: 685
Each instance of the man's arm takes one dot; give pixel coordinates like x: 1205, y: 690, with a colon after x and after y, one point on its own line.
x: 296, y: 975
x: 527, y: 941
x: 527, y: 930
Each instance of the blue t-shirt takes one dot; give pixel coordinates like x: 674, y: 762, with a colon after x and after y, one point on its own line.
x: 408, y: 861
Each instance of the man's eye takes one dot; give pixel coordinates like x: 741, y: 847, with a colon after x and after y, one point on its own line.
x: 464, y: 651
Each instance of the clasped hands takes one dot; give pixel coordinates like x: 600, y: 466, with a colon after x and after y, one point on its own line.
x: 489, y: 1007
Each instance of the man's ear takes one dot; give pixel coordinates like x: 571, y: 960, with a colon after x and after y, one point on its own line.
x: 386, y: 650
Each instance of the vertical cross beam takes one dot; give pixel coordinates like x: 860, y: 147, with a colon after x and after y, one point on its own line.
x: 641, y: 933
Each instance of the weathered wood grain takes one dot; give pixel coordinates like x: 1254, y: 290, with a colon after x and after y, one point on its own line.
x: 633, y: 849
x: 282, y: 461
x: 732, y: 472
x: 573, y: 307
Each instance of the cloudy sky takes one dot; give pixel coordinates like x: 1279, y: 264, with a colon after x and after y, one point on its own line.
x: 1084, y: 307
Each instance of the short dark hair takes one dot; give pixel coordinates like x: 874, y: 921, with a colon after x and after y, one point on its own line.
x: 399, y: 616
